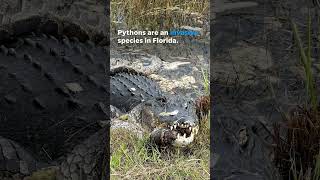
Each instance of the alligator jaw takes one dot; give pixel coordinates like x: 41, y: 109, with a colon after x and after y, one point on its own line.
x: 183, y: 141
x: 177, y: 136
x: 185, y: 133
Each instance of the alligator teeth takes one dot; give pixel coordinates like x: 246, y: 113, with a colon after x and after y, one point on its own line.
x: 182, y: 140
x: 190, y: 128
x: 174, y: 126
x: 171, y: 128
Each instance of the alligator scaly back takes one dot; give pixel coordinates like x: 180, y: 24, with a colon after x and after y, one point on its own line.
x: 53, y: 87
x: 129, y: 88
x: 52, y: 93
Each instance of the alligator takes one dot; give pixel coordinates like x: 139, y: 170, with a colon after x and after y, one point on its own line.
x: 171, y: 120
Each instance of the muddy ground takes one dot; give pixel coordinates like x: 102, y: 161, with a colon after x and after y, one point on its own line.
x: 256, y: 78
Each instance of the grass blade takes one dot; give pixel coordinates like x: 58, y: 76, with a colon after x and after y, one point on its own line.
x: 306, y: 61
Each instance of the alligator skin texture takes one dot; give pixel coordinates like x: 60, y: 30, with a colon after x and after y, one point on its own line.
x: 52, y: 97
x: 129, y: 88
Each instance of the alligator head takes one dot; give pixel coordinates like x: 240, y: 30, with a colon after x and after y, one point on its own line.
x: 171, y: 120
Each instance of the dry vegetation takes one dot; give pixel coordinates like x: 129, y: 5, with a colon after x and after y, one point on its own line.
x: 158, y: 14
x: 297, y: 154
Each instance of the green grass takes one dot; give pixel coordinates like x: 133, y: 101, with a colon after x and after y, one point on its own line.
x: 131, y: 159
x: 206, y: 81
x: 157, y: 14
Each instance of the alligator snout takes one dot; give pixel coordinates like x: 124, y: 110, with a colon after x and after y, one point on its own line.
x: 179, y: 133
